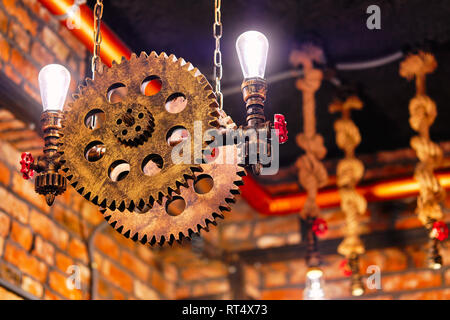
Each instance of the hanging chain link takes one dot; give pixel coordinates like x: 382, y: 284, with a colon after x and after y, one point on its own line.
x: 217, y: 32
x: 98, y: 13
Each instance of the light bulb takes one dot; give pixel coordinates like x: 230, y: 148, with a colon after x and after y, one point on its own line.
x: 54, y: 80
x: 314, y: 285
x: 252, y: 47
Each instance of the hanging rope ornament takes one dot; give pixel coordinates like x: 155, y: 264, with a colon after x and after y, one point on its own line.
x: 349, y: 172
x: 312, y: 174
x: 423, y: 112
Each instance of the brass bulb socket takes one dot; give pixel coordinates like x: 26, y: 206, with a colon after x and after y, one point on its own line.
x: 254, y: 91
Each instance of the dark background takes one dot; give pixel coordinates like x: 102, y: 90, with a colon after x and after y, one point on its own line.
x: 184, y: 28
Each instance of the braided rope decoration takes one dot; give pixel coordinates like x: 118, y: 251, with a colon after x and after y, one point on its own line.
x: 422, y: 113
x: 349, y: 172
x: 312, y: 174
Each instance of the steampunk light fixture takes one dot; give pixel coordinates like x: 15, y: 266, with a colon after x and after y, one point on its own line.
x: 54, y: 82
x: 115, y: 142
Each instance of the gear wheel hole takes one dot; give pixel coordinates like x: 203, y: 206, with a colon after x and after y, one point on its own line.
x: 151, y: 85
x: 175, y: 206
x: 118, y: 170
x: 117, y: 92
x: 203, y: 184
x: 94, y: 151
x: 177, y: 135
x: 94, y: 119
x: 152, y: 164
x: 176, y: 102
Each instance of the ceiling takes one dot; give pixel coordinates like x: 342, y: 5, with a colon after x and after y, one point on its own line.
x: 185, y: 29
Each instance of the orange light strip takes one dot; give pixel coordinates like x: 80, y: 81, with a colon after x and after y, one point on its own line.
x: 112, y: 48
x: 264, y: 203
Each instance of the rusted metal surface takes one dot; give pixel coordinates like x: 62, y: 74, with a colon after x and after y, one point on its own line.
x: 158, y: 225
x: 91, y: 178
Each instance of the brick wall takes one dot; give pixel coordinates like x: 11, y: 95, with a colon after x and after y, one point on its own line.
x: 39, y: 243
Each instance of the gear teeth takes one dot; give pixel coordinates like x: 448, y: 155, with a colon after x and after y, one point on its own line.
x: 133, y: 56
x: 172, y: 58
x: 163, y: 55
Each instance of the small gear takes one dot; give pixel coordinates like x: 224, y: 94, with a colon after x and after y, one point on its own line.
x: 135, y: 125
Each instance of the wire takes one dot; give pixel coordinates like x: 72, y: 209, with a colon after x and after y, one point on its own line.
x: 295, y: 73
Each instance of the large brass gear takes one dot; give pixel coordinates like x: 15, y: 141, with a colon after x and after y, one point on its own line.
x: 92, y: 179
x: 158, y: 225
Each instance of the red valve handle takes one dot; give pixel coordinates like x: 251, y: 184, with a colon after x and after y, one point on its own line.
x: 319, y: 226
x: 439, y: 231
x: 345, y: 268
x: 279, y: 123
x: 26, y: 165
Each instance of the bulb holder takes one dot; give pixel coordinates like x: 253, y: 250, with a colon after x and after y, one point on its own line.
x: 357, y: 287
x: 254, y: 91
x: 434, y: 257
x: 49, y: 182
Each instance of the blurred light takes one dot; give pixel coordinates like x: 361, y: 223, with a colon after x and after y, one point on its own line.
x: 252, y: 48
x: 54, y: 80
x: 314, y: 285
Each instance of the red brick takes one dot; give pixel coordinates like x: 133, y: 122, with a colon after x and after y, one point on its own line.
x: 20, y: 36
x: 15, y: 207
x: 5, y: 174
x: 410, y: 281
x: 12, y: 74
x: 55, y: 44
x: 24, y: 67
x: 274, y: 278
x: 170, y: 272
x: 48, y: 229
x: 22, y: 235
x: 25, y: 189
x: 106, y: 245
x: 443, y: 294
x: 389, y: 259
x: 57, y: 282
x: 2, y: 244
x: 158, y: 282
x: 4, y: 224
x: 212, y: 270
x: 182, y: 292
x: 44, y: 250
x: 8, y: 295
x: 116, y: 275
x: 90, y: 213
x: 69, y: 220
x: 337, y: 289
x: 32, y: 286
x: 40, y: 54
x: 21, y: 15
x: 143, y: 292
x: 5, y: 49
x: 78, y: 250
x: 3, y: 22
x: 270, y: 241
x: 447, y: 276
x: 63, y: 261
x: 49, y: 295
x: 28, y: 264
x: 210, y: 288
x: 282, y: 294
x: 36, y: 143
x: 12, y: 125
x: 235, y: 232
x: 107, y: 291
x: 276, y: 226
x: 408, y: 223
x: 136, y: 266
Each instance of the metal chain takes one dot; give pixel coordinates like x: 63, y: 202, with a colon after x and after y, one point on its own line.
x: 217, y: 32
x: 98, y: 13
